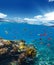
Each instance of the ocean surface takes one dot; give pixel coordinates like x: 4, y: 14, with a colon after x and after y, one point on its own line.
x: 42, y: 37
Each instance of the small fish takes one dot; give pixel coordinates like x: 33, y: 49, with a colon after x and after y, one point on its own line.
x: 41, y: 42
x: 48, y: 44
x: 38, y: 34
x: 35, y: 40
x: 49, y: 38
x: 40, y: 39
x: 43, y: 34
x: 14, y: 36
x: 25, y: 29
x: 6, y: 32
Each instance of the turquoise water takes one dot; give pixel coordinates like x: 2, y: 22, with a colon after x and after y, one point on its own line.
x: 42, y: 37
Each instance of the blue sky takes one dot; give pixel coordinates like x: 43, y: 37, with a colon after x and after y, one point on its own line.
x: 26, y: 10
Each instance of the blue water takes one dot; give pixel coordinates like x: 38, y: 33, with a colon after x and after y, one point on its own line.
x: 32, y: 34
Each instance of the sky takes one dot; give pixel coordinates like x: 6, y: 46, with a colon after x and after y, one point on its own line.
x: 25, y: 8
x: 27, y: 11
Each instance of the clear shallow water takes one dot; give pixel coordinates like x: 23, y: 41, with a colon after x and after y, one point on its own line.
x: 40, y: 36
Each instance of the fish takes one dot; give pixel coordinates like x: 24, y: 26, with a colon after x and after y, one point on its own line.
x: 40, y: 39
x: 49, y: 38
x: 48, y: 44
x: 45, y: 34
x: 6, y: 31
x: 41, y: 42
x: 25, y: 29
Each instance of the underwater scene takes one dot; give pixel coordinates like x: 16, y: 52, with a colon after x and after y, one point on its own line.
x: 40, y: 38
x: 26, y: 32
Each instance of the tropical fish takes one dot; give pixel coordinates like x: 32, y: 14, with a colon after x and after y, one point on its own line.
x: 49, y: 38
x: 42, y: 34
x: 6, y: 31
x: 48, y: 44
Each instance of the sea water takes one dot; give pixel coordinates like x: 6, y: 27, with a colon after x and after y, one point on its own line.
x: 42, y: 37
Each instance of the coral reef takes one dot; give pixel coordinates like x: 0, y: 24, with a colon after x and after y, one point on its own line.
x: 17, y: 51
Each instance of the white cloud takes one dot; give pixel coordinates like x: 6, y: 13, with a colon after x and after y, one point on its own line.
x: 49, y: 16
x: 19, y: 20
x: 2, y: 15
x: 45, y: 19
x: 32, y: 21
